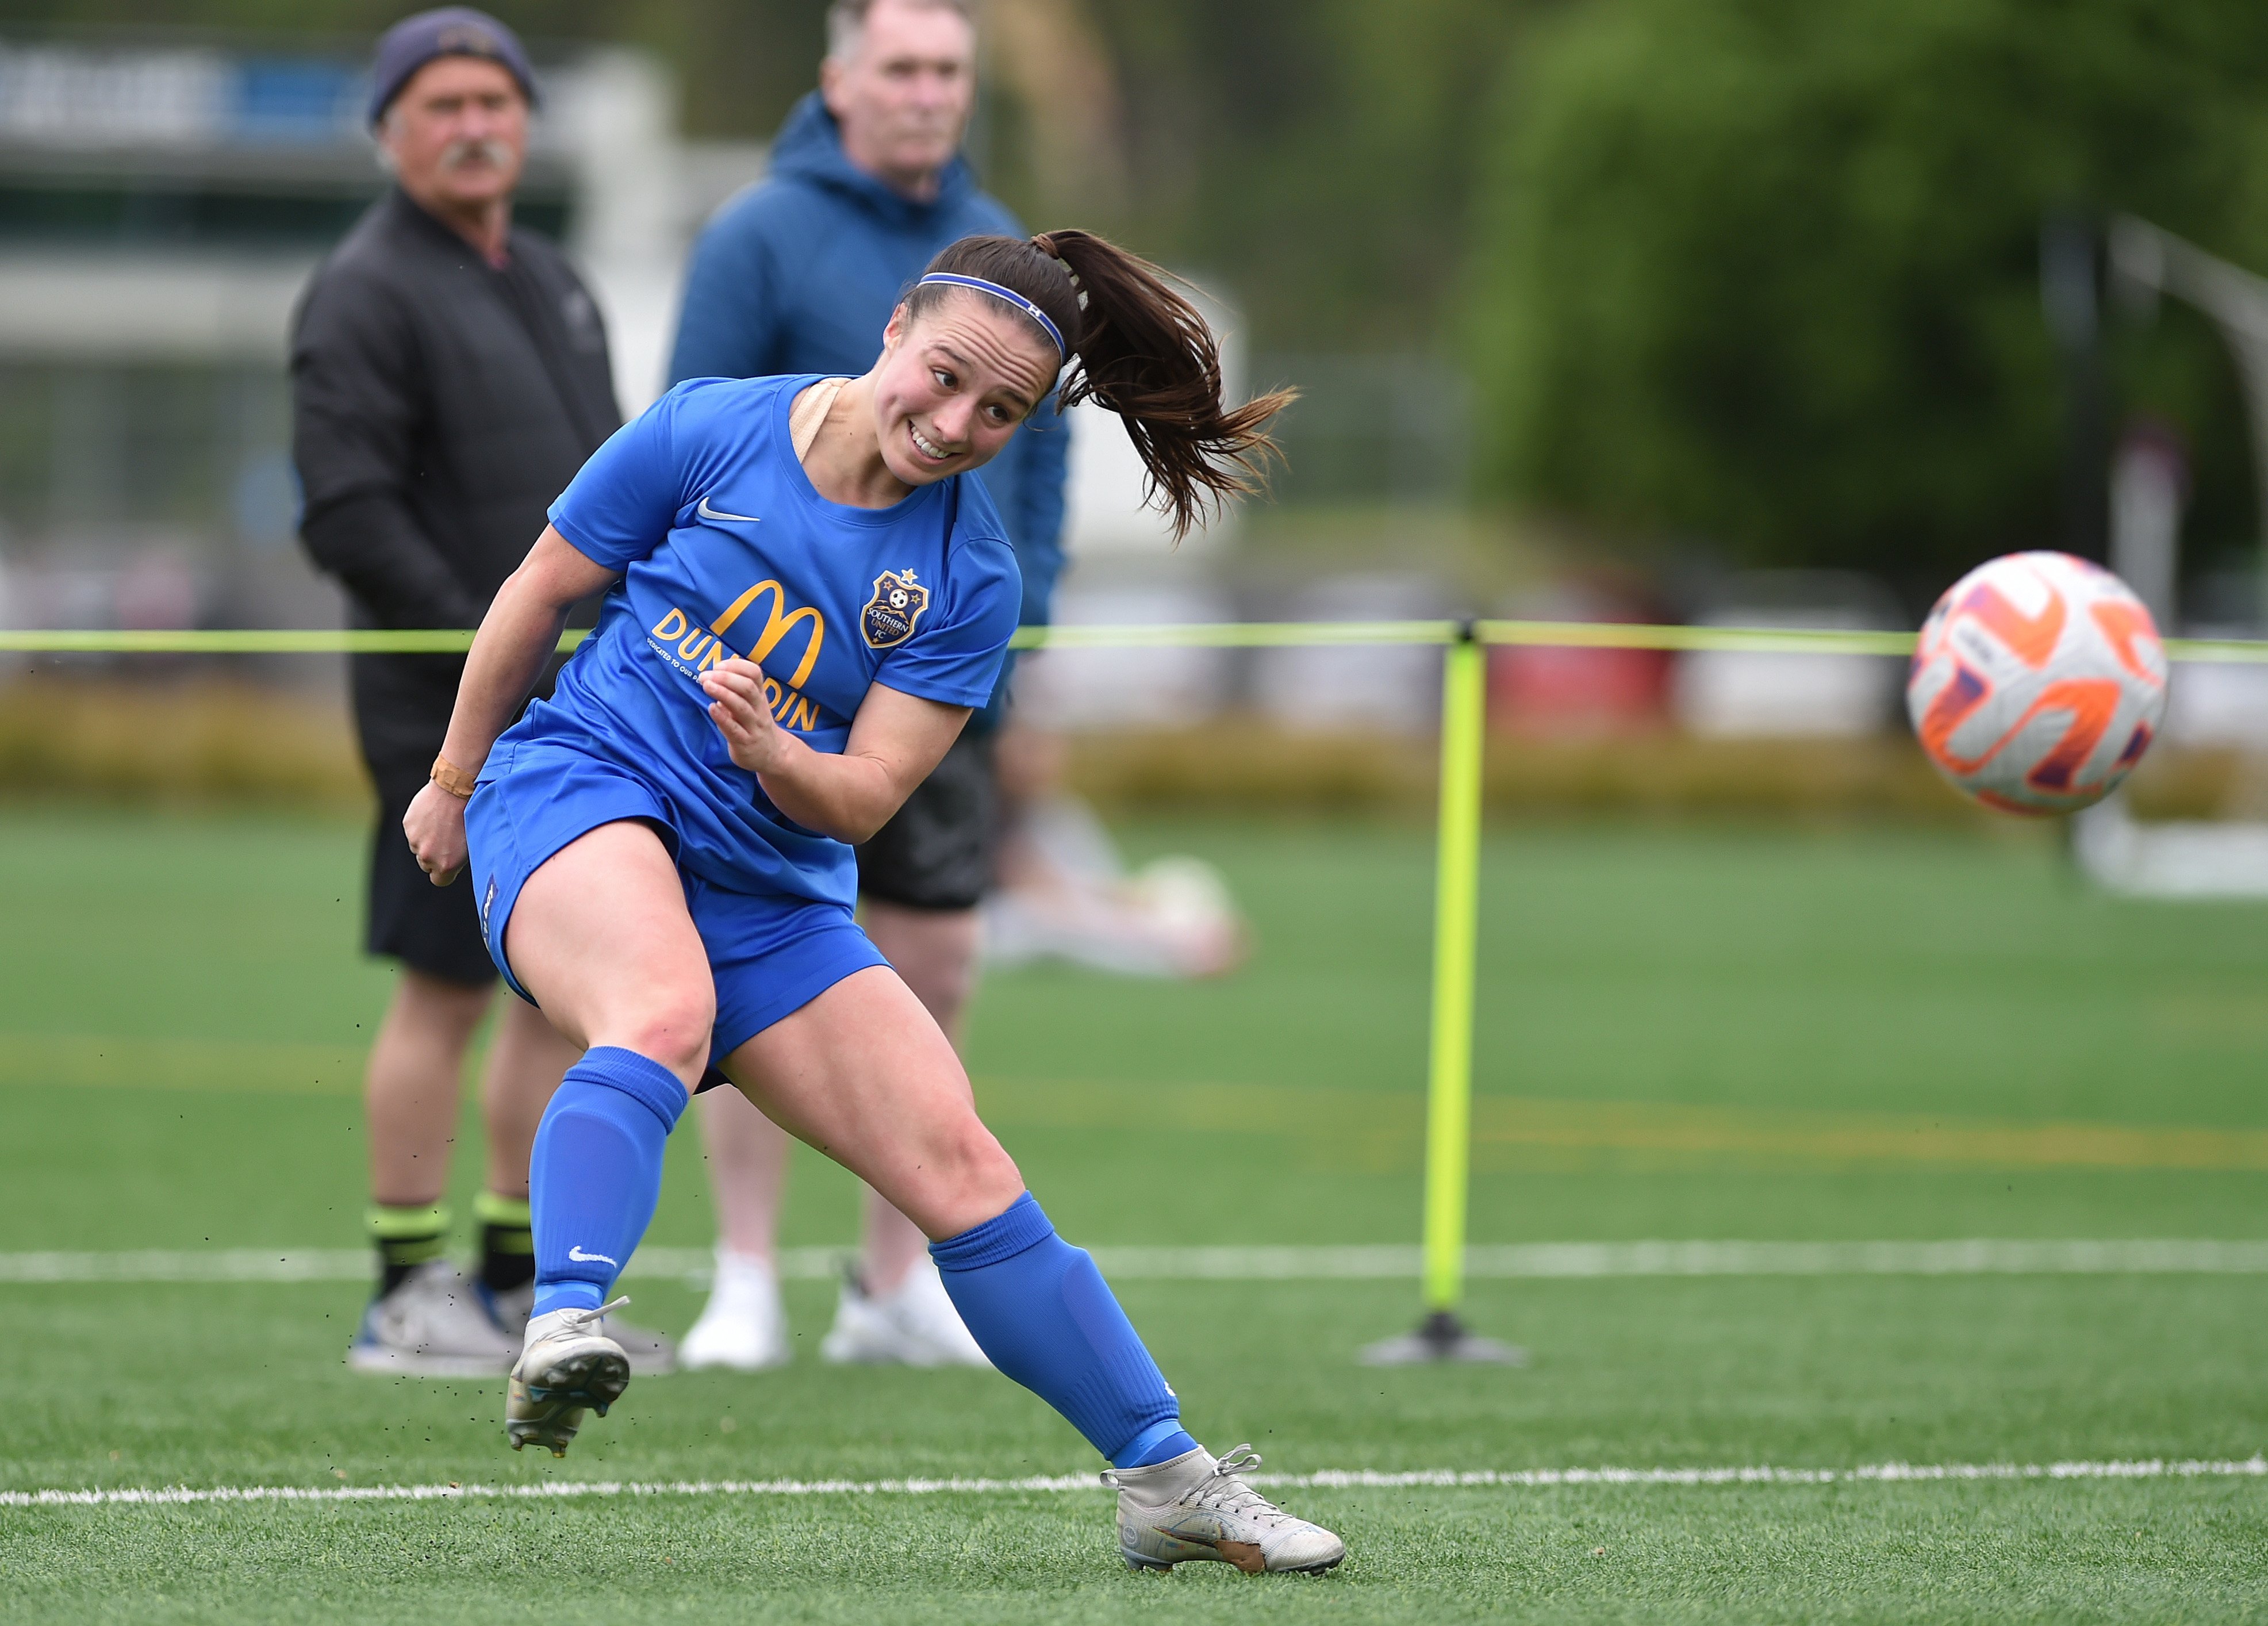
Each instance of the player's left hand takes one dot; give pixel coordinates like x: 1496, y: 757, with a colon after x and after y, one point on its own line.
x: 735, y: 689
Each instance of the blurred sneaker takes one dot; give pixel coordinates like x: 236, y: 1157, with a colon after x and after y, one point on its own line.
x: 743, y: 1328
x: 569, y: 1367
x: 652, y: 1354
x: 432, y: 1324
x: 913, y: 1325
x: 1195, y: 1507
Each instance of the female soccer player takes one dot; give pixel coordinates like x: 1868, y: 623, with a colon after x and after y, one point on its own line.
x: 805, y: 600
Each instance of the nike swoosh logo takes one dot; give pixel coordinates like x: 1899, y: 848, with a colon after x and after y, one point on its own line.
x: 575, y: 1252
x: 707, y: 512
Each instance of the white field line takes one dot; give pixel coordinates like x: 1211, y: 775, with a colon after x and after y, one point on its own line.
x: 1346, y: 1479
x: 1542, y: 1261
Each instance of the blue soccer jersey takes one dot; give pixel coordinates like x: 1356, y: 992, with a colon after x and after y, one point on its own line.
x: 726, y: 548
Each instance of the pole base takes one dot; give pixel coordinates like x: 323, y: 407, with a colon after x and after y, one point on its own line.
x: 1440, y: 1337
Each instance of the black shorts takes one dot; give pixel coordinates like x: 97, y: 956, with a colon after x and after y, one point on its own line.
x: 936, y: 852
x: 401, y: 710
x: 435, y: 929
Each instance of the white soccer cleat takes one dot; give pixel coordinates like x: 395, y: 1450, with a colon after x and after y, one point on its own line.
x: 1195, y: 1507
x: 570, y: 1365
x: 743, y: 1328
x: 432, y: 1324
x: 913, y: 1325
x: 653, y: 1354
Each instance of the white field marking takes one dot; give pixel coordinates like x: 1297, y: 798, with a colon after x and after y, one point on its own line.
x: 1540, y: 1261
x: 1329, y: 1479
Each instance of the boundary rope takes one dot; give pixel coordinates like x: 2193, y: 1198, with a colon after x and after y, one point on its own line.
x: 1201, y: 635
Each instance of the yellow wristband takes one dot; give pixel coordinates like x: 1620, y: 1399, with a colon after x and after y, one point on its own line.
x: 453, y: 779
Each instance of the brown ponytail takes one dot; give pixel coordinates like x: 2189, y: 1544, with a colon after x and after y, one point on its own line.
x: 1140, y: 350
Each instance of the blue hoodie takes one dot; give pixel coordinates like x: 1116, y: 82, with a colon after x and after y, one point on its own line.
x: 799, y: 273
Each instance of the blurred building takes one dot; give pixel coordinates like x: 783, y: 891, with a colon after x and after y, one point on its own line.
x: 1324, y: 689
x: 1568, y: 691
x: 160, y: 208
x: 1732, y: 694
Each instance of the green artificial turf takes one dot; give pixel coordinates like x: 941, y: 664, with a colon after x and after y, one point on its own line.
x: 1704, y: 1034
x: 2097, y: 1552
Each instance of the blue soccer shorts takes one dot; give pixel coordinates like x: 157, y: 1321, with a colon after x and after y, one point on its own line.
x: 771, y: 954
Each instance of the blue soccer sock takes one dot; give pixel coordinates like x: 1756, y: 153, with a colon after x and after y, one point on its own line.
x: 1039, y: 1307
x: 595, y: 1173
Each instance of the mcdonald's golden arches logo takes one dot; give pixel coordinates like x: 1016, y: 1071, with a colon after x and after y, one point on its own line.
x: 703, y: 647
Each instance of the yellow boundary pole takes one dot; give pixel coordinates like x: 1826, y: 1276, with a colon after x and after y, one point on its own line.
x: 1442, y: 1335
x: 1456, y: 919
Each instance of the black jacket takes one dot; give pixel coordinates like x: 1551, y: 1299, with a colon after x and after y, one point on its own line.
x: 438, y: 406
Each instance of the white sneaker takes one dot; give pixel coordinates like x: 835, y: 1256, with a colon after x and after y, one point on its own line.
x: 913, y: 1325
x: 569, y: 1365
x: 743, y: 1328
x: 653, y: 1354
x: 1195, y: 1507
x: 432, y: 1324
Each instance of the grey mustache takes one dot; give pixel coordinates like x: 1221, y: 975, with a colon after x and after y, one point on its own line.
x: 488, y: 151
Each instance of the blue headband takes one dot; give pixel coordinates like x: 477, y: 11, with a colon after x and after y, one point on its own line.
x: 1033, y: 311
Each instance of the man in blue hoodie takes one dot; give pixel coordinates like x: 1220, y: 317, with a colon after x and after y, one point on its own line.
x: 799, y: 273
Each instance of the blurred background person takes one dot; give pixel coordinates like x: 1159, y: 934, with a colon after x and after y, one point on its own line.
x: 1063, y: 890
x: 449, y: 376
x: 800, y: 274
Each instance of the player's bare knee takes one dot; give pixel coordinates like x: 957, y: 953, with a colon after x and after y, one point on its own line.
x: 979, y: 1166
x: 673, y: 1028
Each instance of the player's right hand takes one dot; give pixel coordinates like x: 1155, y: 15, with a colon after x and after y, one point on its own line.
x: 435, y: 825
x: 742, y: 712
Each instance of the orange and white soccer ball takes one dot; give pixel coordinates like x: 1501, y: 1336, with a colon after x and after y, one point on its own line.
x: 2038, y: 683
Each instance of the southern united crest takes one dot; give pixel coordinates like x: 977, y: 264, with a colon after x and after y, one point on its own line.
x: 890, y: 615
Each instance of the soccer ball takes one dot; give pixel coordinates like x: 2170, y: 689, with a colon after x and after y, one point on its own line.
x: 2037, y: 684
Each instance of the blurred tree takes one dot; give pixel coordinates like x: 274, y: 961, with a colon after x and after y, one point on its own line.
x: 1054, y: 134
x: 1318, y: 154
x: 1767, y: 271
